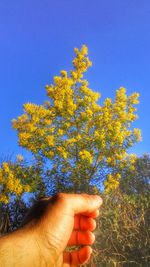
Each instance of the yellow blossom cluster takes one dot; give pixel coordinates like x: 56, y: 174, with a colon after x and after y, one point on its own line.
x: 50, y: 140
x: 33, y: 125
x: 9, y: 183
x: 86, y: 156
x: 113, y: 131
x: 112, y: 182
x: 60, y: 132
x: 61, y: 150
x: 62, y: 94
x: 137, y: 134
x: 128, y: 162
x: 81, y: 63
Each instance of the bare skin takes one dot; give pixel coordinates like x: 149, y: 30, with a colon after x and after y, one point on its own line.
x: 52, y: 225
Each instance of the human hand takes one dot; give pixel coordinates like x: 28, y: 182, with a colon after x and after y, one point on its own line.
x: 61, y: 221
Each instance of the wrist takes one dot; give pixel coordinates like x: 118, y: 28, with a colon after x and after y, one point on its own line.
x: 22, y: 249
x: 47, y: 251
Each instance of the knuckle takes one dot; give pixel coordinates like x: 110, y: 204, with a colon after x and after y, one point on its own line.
x: 61, y: 197
x: 87, y: 197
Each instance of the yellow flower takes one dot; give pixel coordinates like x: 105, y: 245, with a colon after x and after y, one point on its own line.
x: 48, y: 121
x: 74, y: 75
x: 50, y: 140
x: 62, y: 152
x: 10, y: 183
x: 60, y: 132
x: 5, y: 167
x: 86, y: 155
x: 137, y: 134
x: 63, y: 73
x: 112, y: 182
x: 89, y: 112
x: 109, y: 160
x: 51, y: 154
x: 4, y: 199
x: 78, y: 137
x: 84, y: 50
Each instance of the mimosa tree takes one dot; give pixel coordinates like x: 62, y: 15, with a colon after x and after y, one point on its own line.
x: 82, y: 139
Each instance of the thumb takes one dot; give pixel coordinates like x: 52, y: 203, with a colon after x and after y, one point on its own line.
x: 80, y: 203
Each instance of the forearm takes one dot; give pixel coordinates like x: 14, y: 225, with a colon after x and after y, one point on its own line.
x: 18, y: 249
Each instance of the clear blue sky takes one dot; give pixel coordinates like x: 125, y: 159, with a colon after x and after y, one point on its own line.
x: 37, y: 38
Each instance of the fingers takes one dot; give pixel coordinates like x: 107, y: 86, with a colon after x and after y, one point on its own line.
x: 93, y: 214
x: 81, y: 238
x: 77, y: 257
x: 84, y: 223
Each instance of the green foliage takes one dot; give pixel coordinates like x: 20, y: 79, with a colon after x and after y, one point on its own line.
x: 123, y: 234
x: 136, y: 180
x: 123, y: 231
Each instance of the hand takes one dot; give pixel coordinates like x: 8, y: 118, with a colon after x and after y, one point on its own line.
x: 55, y: 223
x: 65, y: 220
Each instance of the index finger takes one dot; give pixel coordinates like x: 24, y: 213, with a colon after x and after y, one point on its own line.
x: 84, y: 203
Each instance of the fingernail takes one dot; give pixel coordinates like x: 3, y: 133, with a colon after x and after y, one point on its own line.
x: 99, y: 200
